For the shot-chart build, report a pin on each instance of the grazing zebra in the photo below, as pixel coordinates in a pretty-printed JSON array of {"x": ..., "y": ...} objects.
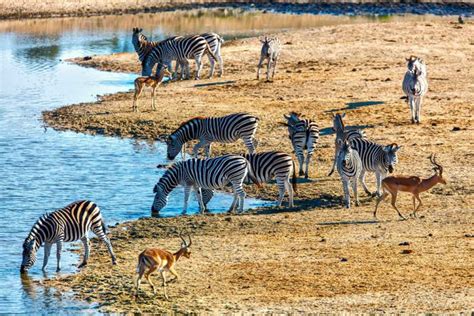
[
  {"x": 213, "y": 173},
  {"x": 265, "y": 167},
  {"x": 225, "y": 129},
  {"x": 375, "y": 158},
  {"x": 270, "y": 52},
  {"x": 70, "y": 223},
  {"x": 349, "y": 167},
  {"x": 177, "y": 48},
  {"x": 415, "y": 86},
  {"x": 304, "y": 135},
  {"x": 341, "y": 134}
]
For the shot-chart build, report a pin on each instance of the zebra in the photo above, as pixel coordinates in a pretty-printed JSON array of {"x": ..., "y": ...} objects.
[
  {"x": 143, "y": 46},
  {"x": 341, "y": 134},
  {"x": 212, "y": 173},
  {"x": 415, "y": 86},
  {"x": 225, "y": 129},
  {"x": 215, "y": 43},
  {"x": 177, "y": 48},
  {"x": 271, "y": 49},
  {"x": 266, "y": 166},
  {"x": 70, "y": 223},
  {"x": 375, "y": 158},
  {"x": 304, "y": 135},
  {"x": 349, "y": 167}
]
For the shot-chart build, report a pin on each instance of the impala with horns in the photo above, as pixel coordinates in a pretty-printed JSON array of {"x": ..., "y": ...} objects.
[
  {"x": 414, "y": 185},
  {"x": 153, "y": 259}
]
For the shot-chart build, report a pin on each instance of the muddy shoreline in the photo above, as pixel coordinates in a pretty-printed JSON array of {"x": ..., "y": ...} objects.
[
  {"x": 317, "y": 257},
  {"x": 27, "y": 10}
]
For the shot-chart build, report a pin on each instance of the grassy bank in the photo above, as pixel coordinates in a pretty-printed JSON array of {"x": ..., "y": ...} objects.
[{"x": 317, "y": 257}]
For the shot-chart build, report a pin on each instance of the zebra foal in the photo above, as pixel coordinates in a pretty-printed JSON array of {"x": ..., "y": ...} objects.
[
  {"x": 415, "y": 86},
  {"x": 209, "y": 174},
  {"x": 70, "y": 223},
  {"x": 304, "y": 135},
  {"x": 349, "y": 167},
  {"x": 225, "y": 129},
  {"x": 270, "y": 51}
]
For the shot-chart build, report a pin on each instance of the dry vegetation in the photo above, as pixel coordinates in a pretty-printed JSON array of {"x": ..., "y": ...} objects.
[{"x": 319, "y": 256}]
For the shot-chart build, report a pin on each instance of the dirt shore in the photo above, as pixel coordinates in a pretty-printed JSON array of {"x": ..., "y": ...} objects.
[{"x": 317, "y": 257}]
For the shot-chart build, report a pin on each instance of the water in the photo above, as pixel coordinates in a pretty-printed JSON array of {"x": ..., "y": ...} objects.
[{"x": 43, "y": 169}]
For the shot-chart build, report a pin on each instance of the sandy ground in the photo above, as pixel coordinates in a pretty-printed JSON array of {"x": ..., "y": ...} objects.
[{"x": 319, "y": 256}]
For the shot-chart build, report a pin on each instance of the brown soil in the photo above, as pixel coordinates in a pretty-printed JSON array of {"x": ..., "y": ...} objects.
[{"x": 317, "y": 257}]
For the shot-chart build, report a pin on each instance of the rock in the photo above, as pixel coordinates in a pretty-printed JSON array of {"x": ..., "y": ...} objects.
[
  {"x": 406, "y": 251},
  {"x": 405, "y": 243},
  {"x": 87, "y": 58},
  {"x": 455, "y": 129},
  {"x": 344, "y": 259}
]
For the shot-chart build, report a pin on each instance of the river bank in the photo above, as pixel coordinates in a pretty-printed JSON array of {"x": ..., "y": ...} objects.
[
  {"x": 69, "y": 8},
  {"x": 317, "y": 257}
]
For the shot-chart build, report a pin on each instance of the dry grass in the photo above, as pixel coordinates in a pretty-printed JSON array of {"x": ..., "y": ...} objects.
[{"x": 290, "y": 260}]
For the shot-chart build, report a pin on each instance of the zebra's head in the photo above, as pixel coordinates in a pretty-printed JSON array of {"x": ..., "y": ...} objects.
[
  {"x": 391, "y": 158},
  {"x": 266, "y": 45},
  {"x": 161, "y": 198},
  {"x": 30, "y": 248},
  {"x": 345, "y": 151},
  {"x": 137, "y": 37},
  {"x": 337, "y": 122},
  {"x": 415, "y": 64},
  {"x": 173, "y": 147}
]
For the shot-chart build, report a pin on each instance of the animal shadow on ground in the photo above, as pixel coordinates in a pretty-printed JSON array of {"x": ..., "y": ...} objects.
[
  {"x": 220, "y": 83},
  {"x": 355, "y": 105},
  {"x": 329, "y": 131}
]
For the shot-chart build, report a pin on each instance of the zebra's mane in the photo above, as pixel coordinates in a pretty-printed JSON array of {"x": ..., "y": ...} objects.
[{"x": 192, "y": 119}]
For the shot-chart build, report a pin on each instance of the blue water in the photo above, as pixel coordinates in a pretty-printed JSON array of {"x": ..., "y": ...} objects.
[{"x": 42, "y": 169}]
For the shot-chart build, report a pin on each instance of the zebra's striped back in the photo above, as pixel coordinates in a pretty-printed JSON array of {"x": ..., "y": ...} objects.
[
  {"x": 70, "y": 223},
  {"x": 214, "y": 40},
  {"x": 304, "y": 134},
  {"x": 225, "y": 129},
  {"x": 349, "y": 164},
  {"x": 213, "y": 173}
]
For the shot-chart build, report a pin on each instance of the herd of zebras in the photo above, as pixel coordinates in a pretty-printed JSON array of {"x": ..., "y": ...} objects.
[{"x": 355, "y": 155}]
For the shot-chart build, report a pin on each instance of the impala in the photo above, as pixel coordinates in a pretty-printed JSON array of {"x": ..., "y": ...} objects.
[
  {"x": 414, "y": 185},
  {"x": 151, "y": 81},
  {"x": 153, "y": 259}
]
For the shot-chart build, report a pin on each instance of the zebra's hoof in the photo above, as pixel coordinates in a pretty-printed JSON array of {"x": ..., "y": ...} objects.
[{"x": 58, "y": 269}]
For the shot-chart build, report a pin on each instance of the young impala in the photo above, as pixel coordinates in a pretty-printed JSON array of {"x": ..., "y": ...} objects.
[
  {"x": 414, "y": 185},
  {"x": 151, "y": 81},
  {"x": 153, "y": 259}
]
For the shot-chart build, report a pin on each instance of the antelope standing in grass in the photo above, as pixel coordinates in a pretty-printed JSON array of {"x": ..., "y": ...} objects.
[
  {"x": 414, "y": 185},
  {"x": 151, "y": 81},
  {"x": 153, "y": 259}
]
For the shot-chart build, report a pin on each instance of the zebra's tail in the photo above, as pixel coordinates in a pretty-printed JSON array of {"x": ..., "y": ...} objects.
[
  {"x": 293, "y": 178},
  {"x": 104, "y": 228},
  {"x": 210, "y": 52},
  {"x": 252, "y": 176}
]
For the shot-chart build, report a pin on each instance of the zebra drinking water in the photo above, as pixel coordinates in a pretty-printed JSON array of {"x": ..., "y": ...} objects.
[
  {"x": 304, "y": 135},
  {"x": 213, "y": 173},
  {"x": 349, "y": 167},
  {"x": 266, "y": 166},
  {"x": 415, "y": 86},
  {"x": 70, "y": 223},
  {"x": 177, "y": 48},
  {"x": 271, "y": 49},
  {"x": 341, "y": 134},
  {"x": 375, "y": 158},
  {"x": 225, "y": 129}
]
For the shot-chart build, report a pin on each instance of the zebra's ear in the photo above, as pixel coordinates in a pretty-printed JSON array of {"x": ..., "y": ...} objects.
[
  {"x": 286, "y": 116},
  {"x": 343, "y": 115},
  {"x": 396, "y": 148}
]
